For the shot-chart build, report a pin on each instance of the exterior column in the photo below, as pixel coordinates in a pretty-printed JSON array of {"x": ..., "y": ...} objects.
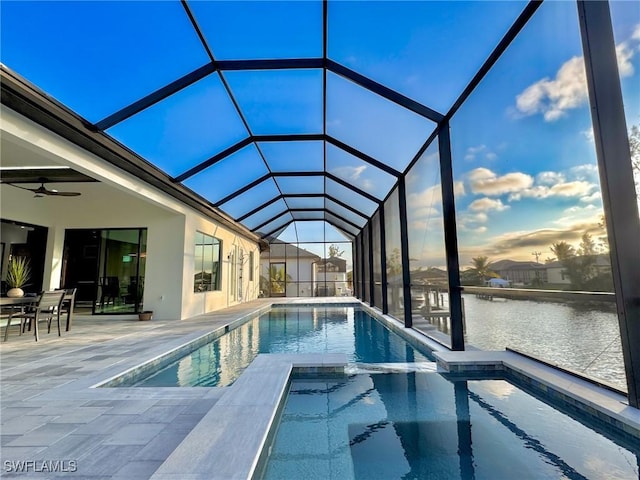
[
  {"x": 451, "y": 238},
  {"x": 404, "y": 242},
  {"x": 383, "y": 263},
  {"x": 52, "y": 275},
  {"x": 372, "y": 286},
  {"x": 616, "y": 179}
]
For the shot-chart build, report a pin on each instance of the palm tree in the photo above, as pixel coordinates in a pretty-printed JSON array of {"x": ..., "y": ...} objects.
[
  {"x": 334, "y": 251},
  {"x": 562, "y": 250},
  {"x": 278, "y": 279},
  {"x": 480, "y": 269}
]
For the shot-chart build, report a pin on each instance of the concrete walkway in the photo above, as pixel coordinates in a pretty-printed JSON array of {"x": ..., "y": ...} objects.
[{"x": 52, "y": 419}]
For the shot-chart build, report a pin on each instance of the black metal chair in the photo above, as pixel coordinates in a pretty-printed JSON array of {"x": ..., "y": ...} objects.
[
  {"x": 67, "y": 305},
  {"x": 110, "y": 287},
  {"x": 47, "y": 308}
]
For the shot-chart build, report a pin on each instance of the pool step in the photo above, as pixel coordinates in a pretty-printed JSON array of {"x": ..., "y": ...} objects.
[{"x": 355, "y": 368}]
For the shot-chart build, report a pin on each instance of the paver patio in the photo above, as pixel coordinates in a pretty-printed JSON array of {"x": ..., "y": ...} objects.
[{"x": 49, "y": 412}]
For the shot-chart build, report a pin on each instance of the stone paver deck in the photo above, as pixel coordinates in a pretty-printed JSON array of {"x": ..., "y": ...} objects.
[{"x": 49, "y": 413}]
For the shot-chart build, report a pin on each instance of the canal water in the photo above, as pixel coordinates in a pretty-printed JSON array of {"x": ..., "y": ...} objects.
[{"x": 582, "y": 337}]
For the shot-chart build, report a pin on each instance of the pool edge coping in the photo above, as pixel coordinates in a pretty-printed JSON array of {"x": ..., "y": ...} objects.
[
  {"x": 593, "y": 401},
  {"x": 234, "y": 447}
]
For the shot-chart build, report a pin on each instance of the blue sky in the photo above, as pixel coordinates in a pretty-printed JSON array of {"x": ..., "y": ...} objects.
[{"x": 524, "y": 160}]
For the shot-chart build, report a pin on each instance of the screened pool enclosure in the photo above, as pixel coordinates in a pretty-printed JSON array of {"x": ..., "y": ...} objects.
[{"x": 421, "y": 143}]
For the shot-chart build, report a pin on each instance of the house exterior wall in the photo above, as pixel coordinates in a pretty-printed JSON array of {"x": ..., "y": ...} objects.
[
  {"x": 120, "y": 200},
  {"x": 298, "y": 268},
  {"x": 554, "y": 275}
]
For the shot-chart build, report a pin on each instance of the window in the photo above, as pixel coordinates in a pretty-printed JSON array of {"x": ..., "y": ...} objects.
[{"x": 206, "y": 263}]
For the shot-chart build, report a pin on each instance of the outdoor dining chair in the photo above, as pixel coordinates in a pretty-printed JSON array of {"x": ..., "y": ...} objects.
[
  {"x": 67, "y": 305},
  {"x": 46, "y": 309}
]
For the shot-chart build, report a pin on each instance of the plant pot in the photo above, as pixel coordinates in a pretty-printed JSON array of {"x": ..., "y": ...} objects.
[
  {"x": 148, "y": 315},
  {"x": 15, "y": 293}
]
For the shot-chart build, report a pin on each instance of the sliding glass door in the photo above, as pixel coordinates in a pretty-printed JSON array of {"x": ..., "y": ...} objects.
[{"x": 107, "y": 267}]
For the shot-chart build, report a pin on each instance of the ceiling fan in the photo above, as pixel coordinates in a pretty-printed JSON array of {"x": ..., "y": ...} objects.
[{"x": 42, "y": 191}]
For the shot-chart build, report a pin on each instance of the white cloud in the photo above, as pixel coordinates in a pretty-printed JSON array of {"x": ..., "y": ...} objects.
[
  {"x": 486, "y": 182},
  {"x": 368, "y": 185},
  {"x": 553, "y": 97},
  {"x": 563, "y": 189},
  {"x": 426, "y": 203},
  {"x": 471, "y": 221},
  {"x": 587, "y": 171},
  {"x": 519, "y": 245},
  {"x": 588, "y": 134},
  {"x": 486, "y": 204},
  {"x": 429, "y": 200},
  {"x": 549, "y": 178},
  {"x": 579, "y": 215},
  {"x": 594, "y": 197},
  {"x": 352, "y": 173},
  {"x": 481, "y": 150},
  {"x": 472, "y": 152},
  {"x": 568, "y": 90}
]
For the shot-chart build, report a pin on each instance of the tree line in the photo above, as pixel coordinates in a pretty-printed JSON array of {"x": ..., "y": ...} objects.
[{"x": 580, "y": 266}]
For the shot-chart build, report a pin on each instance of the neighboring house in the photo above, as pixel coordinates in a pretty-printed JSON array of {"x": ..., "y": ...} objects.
[
  {"x": 520, "y": 273},
  {"x": 330, "y": 278},
  {"x": 286, "y": 270},
  {"x": 556, "y": 272},
  {"x": 430, "y": 276}
]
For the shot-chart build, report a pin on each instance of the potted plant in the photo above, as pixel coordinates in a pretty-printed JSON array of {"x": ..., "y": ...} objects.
[
  {"x": 146, "y": 315},
  {"x": 18, "y": 274}
]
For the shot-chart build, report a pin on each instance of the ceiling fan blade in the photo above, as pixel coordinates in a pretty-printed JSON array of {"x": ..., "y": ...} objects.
[
  {"x": 63, "y": 194},
  {"x": 35, "y": 190},
  {"x": 41, "y": 191}
]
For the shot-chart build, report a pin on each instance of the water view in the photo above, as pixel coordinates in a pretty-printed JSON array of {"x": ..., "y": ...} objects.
[{"x": 582, "y": 337}]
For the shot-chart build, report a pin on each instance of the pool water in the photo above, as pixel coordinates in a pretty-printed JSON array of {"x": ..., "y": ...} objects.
[
  {"x": 348, "y": 330},
  {"x": 423, "y": 426}
]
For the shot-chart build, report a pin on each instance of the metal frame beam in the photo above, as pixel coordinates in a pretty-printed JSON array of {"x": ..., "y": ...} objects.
[
  {"x": 504, "y": 43},
  {"x": 345, "y": 205},
  {"x": 270, "y": 64},
  {"x": 383, "y": 262},
  {"x": 292, "y": 137},
  {"x": 366, "y": 195},
  {"x": 616, "y": 179},
  {"x": 155, "y": 97},
  {"x": 257, "y": 209},
  {"x": 404, "y": 252},
  {"x": 240, "y": 191},
  {"x": 349, "y": 235},
  {"x": 341, "y": 219},
  {"x": 362, "y": 156},
  {"x": 281, "y": 227},
  {"x": 290, "y": 210},
  {"x": 213, "y": 160},
  {"x": 384, "y": 92},
  {"x": 304, "y": 195},
  {"x": 451, "y": 238},
  {"x": 362, "y": 280},
  {"x": 271, "y": 219},
  {"x": 372, "y": 293}
]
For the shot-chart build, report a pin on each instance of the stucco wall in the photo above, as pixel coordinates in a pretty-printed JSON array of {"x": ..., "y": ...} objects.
[{"x": 119, "y": 201}]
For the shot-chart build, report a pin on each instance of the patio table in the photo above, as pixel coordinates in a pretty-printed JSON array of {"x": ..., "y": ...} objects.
[
  {"x": 17, "y": 302},
  {"x": 22, "y": 302}
]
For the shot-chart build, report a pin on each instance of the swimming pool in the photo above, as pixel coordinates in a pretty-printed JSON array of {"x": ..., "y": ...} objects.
[
  {"x": 425, "y": 426},
  {"x": 310, "y": 329}
]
